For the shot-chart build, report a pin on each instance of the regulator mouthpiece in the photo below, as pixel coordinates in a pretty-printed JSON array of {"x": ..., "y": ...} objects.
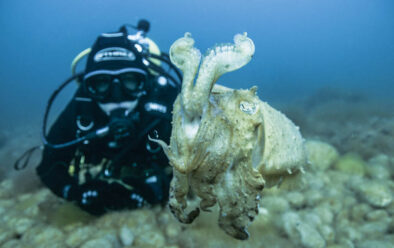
[{"x": 121, "y": 125}]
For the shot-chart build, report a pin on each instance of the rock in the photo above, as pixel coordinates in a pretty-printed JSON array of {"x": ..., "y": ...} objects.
[
  {"x": 349, "y": 201},
  {"x": 381, "y": 159},
  {"x": 96, "y": 243},
  {"x": 377, "y": 194},
  {"x": 28, "y": 203},
  {"x": 126, "y": 236},
  {"x": 379, "y": 167},
  {"x": 342, "y": 218},
  {"x": 320, "y": 155},
  {"x": 6, "y": 188},
  {"x": 337, "y": 246},
  {"x": 275, "y": 204},
  {"x": 13, "y": 243},
  {"x": 313, "y": 197},
  {"x": 108, "y": 234},
  {"x": 312, "y": 219},
  {"x": 315, "y": 180},
  {"x": 325, "y": 214},
  {"x": 390, "y": 208},
  {"x": 78, "y": 236},
  {"x": 351, "y": 163},
  {"x": 21, "y": 225},
  {"x": 378, "y": 171},
  {"x": 68, "y": 213},
  {"x": 173, "y": 230},
  {"x": 296, "y": 199},
  {"x": 359, "y": 211},
  {"x": 374, "y": 230},
  {"x": 374, "y": 244},
  {"x": 150, "y": 239},
  {"x": 345, "y": 243},
  {"x": 5, "y": 235},
  {"x": 310, "y": 237},
  {"x": 46, "y": 236},
  {"x": 337, "y": 178},
  {"x": 328, "y": 233},
  {"x": 334, "y": 204},
  {"x": 300, "y": 232},
  {"x": 347, "y": 232},
  {"x": 377, "y": 215}
]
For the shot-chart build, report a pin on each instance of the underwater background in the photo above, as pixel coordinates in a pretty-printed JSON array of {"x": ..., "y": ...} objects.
[{"x": 327, "y": 64}]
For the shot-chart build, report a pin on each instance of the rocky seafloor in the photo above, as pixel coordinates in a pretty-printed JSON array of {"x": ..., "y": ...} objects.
[{"x": 345, "y": 200}]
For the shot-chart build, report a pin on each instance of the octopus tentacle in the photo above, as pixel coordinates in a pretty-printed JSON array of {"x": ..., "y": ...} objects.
[
  {"x": 218, "y": 61},
  {"x": 187, "y": 58}
]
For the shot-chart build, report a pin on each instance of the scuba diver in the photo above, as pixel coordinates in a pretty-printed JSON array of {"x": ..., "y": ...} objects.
[{"x": 98, "y": 152}]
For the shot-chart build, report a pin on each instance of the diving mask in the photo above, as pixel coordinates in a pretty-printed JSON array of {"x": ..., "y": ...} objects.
[{"x": 100, "y": 84}]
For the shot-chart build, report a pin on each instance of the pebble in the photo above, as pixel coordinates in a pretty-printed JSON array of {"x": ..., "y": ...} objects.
[
  {"x": 325, "y": 214},
  {"x": 78, "y": 236},
  {"x": 313, "y": 197},
  {"x": 348, "y": 232},
  {"x": 13, "y": 243},
  {"x": 377, "y": 194},
  {"x": 345, "y": 243},
  {"x": 302, "y": 233},
  {"x": 5, "y": 235},
  {"x": 173, "y": 230},
  {"x": 328, "y": 233},
  {"x": 126, "y": 236},
  {"x": 378, "y": 171},
  {"x": 351, "y": 163},
  {"x": 359, "y": 211},
  {"x": 376, "y": 215},
  {"x": 381, "y": 159},
  {"x": 320, "y": 155},
  {"x": 374, "y": 244},
  {"x": 312, "y": 219},
  {"x": 46, "y": 235},
  {"x": 6, "y": 187},
  {"x": 296, "y": 199},
  {"x": 275, "y": 204},
  {"x": 373, "y": 230},
  {"x": 150, "y": 239},
  {"x": 96, "y": 243},
  {"x": 23, "y": 224}
]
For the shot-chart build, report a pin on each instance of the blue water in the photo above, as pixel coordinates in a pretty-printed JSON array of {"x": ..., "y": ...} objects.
[{"x": 301, "y": 45}]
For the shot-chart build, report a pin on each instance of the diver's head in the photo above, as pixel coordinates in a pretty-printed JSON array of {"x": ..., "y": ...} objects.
[
  {"x": 116, "y": 77},
  {"x": 116, "y": 89},
  {"x": 116, "y": 73}
]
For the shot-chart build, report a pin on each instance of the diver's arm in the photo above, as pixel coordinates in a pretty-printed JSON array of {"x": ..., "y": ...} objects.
[
  {"x": 53, "y": 172},
  {"x": 53, "y": 169}
]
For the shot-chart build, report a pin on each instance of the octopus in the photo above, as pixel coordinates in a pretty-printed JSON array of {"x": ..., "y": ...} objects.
[{"x": 226, "y": 144}]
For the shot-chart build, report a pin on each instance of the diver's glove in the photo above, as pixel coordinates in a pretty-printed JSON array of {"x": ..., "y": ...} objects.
[
  {"x": 152, "y": 184},
  {"x": 98, "y": 197},
  {"x": 90, "y": 196}
]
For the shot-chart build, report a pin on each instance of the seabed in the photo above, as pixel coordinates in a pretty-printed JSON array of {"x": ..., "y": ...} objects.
[{"x": 346, "y": 199}]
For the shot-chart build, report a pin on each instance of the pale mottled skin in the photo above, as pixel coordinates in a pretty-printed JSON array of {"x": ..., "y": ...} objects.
[{"x": 225, "y": 143}]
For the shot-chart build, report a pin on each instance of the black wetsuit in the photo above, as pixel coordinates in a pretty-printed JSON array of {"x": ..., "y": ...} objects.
[{"x": 100, "y": 178}]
